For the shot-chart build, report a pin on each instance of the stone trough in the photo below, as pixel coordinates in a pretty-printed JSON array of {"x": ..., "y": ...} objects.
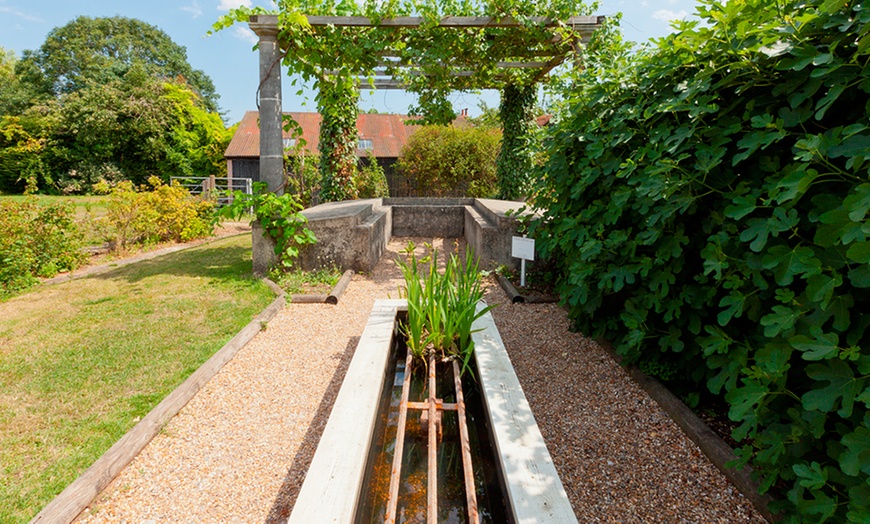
[
  {"x": 332, "y": 489},
  {"x": 354, "y": 234}
]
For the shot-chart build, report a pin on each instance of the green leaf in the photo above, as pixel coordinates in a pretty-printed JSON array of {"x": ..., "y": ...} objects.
[
  {"x": 856, "y": 458},
  {"x": 855, "y": 145},
  {"x": 820, "y": 288},
  {"x": 773, "y": 358},
  {"x": 788, "y": 263},
  {"x": 832, "y": 6},
  {"x": 744, "y": 399},
  {"x": 734, "y": 304},
  {"x": 823, "y": 346},
  {"x": 780, "y": 320},
  {"x": 858, "y": 203},
  {"x": 842, "y": 387},
  {"x": 759, "y": 229},
  {"x": 860, "y": 276},
  {"x": 740, "y": 207},
  {"x": 859, "y": 252},
  {"x": 812, "y": 476}
]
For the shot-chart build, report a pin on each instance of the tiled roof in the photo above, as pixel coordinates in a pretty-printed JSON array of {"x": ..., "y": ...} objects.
[{"x": 388, "y": 133}]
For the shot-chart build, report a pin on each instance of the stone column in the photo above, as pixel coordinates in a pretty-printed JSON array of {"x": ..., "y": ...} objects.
[{"x": 271, "y": 143}]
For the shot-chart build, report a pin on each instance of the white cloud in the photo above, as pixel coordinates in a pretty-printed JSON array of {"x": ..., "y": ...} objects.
[
  {"x": 226, "y": 5},
  {"x": 21, "y": 14},
  {"x": 243, "y": 33},
  {"x": 194, "y": 9},
  {"x": 667, "y": 15}
]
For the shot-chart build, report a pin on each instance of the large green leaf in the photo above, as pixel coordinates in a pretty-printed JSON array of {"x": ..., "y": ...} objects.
[
  {"x": 781, "y": 320},
  {"x": 787, "y": 263},
  {"x": 842, "y": 387},
  {"x": 856, "y": 458}
]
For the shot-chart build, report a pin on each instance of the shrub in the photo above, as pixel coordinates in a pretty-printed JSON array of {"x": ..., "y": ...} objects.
[
  {"x": 303, "y": 176},
  {"x": 280, "y": 217},
  {"x": 166, "y": 213},
  {"x": 371, "y": 181},
  {"x": 709, "y": 202},
  {"x": 448, "y": 161},
  {"x": 37, "y": 241}
]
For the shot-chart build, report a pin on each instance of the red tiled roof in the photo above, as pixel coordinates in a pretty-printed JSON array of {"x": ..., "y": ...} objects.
[{"x": 388, "y": 133}]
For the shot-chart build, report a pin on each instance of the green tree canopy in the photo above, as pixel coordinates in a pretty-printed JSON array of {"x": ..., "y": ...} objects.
[
  {"x": 14, "y": 96},
  {"x": 99, "y": 50}
]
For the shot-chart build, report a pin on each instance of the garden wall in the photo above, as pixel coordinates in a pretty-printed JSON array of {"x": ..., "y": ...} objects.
[{"x": 354, "y": 234}]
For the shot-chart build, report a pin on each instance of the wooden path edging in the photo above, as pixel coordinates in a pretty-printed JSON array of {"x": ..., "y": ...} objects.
[{"x": 81, "y": 492}]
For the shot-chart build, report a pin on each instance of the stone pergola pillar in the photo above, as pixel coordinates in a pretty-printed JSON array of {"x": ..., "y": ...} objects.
[
  {"x": 271, "y": 143},
  {"x": 271, "y": 138}
]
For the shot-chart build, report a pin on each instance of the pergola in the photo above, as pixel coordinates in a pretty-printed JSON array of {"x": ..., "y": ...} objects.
[
  {"x": 500, "y": 60},
  {"x": 506, "y": 51}
]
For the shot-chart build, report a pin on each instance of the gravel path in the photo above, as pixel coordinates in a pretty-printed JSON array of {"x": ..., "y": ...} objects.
[{"x": 239, "y": 451}]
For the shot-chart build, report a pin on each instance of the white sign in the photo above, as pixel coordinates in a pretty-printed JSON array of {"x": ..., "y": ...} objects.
[{"x": 523, "y": 248}]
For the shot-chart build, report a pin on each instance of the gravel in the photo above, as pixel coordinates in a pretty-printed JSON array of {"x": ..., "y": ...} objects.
[{"x": 239, "y": 451}]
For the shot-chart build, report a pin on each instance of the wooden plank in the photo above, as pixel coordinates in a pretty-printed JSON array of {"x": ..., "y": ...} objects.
[
  {"x": 470, "y": 491},
  {"x": 340, "y": 287},
  {"x": 449, "y": 21},
  {"x": 77, "y": 496},
  {"x": 399, "y": 449},
  {"x": 534, "y": 490},
  {"x": 432, "y": 485}
]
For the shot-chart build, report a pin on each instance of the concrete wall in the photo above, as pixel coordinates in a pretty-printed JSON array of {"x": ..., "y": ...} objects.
[{"x": 354, "y": 234}]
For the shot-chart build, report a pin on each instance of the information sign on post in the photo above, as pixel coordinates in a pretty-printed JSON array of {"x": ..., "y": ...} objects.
[{"x": 524, "y": 249}]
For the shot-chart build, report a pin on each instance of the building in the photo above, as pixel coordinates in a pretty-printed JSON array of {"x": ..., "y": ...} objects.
[{"x": 383, "y": 135}]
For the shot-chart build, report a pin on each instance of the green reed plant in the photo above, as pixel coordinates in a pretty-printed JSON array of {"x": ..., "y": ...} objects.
[{"x": 442, "y": 306}]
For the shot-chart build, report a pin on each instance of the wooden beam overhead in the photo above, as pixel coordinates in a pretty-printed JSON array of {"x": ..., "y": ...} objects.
[{"x": 577, "y": 22}]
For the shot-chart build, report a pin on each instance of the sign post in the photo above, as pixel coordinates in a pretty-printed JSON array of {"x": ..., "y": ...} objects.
[{"x": 524, "y": 249}]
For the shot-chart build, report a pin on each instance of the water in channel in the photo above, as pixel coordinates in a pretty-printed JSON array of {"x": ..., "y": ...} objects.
[{"x": 412, "y": 488}]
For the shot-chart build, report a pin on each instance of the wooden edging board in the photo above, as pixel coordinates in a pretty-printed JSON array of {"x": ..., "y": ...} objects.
[{"x": 81, "y": 492}]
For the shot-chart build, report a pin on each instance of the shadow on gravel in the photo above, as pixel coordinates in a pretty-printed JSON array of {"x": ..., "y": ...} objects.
[{"x": 286, "y": 498}]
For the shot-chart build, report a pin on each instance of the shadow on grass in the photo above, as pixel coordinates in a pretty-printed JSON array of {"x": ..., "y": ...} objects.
[
  {"x": 286, "y": 498},
  {"x": 223, "y": 260}
]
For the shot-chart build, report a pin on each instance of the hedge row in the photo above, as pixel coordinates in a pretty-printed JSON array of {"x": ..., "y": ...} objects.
[{"x": 708, "y": 199}]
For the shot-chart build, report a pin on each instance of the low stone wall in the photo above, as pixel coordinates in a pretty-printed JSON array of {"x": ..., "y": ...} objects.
[{"x": 354, "y": 234}]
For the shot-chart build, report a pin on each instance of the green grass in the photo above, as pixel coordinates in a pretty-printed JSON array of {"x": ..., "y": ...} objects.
[
  {"x": 319, "y": 282},
  {"x": 82, "y": 362}
]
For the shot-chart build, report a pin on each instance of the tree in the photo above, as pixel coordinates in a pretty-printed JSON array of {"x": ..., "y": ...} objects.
[
  {"x": 90, "y": 51},
  {"x": 14, "y": 96}
]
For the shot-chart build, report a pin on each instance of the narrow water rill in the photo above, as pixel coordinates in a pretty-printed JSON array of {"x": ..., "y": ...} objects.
[
  {"x": 349, "y": 479},
  {"x": 406, "y": 448}
]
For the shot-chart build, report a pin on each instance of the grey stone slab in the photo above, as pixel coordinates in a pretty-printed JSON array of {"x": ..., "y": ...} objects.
[
  {"x": 535, "y": 491},
  {"x": 332, "y": 486}
]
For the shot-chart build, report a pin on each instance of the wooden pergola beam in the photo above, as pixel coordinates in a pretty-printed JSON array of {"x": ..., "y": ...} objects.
[{"x": 579, "y": 23}]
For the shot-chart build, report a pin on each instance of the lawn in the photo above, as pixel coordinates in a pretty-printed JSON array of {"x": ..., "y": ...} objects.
[{"x": 82, "y": 362}]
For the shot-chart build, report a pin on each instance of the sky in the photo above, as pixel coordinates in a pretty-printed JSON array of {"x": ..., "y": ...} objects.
[{"x": 228, "y": 56}]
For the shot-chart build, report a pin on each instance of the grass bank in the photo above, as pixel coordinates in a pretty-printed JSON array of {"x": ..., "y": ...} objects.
[{"x": 82, "y": 362}]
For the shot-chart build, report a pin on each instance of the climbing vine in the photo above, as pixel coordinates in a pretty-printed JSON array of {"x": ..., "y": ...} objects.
[
  {"x": 514, "y": 161},
  {"x": 337, "y": 104},
  {"x": 430, "y": 60}
]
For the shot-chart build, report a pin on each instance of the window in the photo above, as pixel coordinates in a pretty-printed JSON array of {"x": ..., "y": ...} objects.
[
  {"x": 289, "y": 142},
  {"x": 364, "y": 144}
]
